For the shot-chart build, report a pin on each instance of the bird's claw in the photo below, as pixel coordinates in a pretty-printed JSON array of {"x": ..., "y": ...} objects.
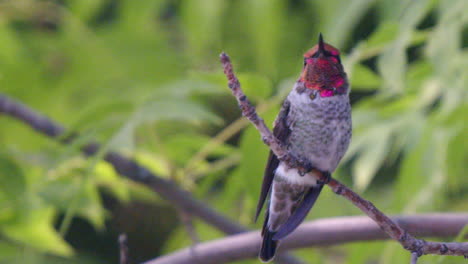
[
  {"x": 327, "y": 178},
  {"x": 305, "y": 167}
]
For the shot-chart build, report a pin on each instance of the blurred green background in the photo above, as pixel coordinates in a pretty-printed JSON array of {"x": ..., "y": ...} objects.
[{"x": 144, "y": 78}]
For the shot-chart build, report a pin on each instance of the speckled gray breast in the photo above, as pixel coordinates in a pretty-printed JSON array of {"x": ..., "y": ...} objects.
[{"x": 320, "y": 128}]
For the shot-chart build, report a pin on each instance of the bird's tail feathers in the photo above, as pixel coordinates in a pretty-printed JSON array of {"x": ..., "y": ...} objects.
[{"x": 268, "y": 250}]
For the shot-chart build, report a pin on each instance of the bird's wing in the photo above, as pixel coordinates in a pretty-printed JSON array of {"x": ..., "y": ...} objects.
[
  {"x": 300, "y": 213},
  {"x": 281, "y": 131}
]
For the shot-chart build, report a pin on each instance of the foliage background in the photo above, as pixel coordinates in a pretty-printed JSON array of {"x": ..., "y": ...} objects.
[{"x": 144, "y": 78}]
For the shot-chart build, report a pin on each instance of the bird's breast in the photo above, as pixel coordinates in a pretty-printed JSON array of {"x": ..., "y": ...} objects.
[{"x": 320, "y": 129}]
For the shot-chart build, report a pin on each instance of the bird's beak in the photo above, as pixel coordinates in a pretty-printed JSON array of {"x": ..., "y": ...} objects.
[{"x": 321, "y": 45}]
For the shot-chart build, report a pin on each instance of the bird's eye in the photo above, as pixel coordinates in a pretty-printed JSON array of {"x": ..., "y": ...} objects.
[
  {"x": 338, "y": 58},
  {"x": 305, "y": 62},
  {"x": 335, "y": 58}
]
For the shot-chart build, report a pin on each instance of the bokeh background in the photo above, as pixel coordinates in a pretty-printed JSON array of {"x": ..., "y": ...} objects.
[{"x": 144, "y": 78}]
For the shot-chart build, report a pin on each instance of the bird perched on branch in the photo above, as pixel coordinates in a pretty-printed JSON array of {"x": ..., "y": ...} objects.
[{"x": 314, "y": 124}]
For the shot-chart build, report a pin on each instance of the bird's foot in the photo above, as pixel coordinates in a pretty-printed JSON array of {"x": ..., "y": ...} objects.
[
  {"x": 326, "y": 178},
  {"x": 304, "y": 167}
]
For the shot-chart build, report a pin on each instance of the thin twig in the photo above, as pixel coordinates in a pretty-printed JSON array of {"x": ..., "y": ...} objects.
[
  {"x": 317, "y": 233},
  {"x": 186, "y": 220},
  {"x": 385, "y": 223},
  {"x": 414, "y": 257},
  {"x": 123, "y": 246},
  {"x": 130, "y": 169}
]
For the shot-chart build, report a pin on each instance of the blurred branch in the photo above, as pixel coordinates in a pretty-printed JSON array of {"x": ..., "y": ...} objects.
[
  {"x": 186, "y": 220},
  {"x": 130, "y": 169},
  {"x": 385, "y": 223},
  {"x": 414, "y": 258},
  {"x": 322, "y": 232},
  {"x": 123, "y": 247}
]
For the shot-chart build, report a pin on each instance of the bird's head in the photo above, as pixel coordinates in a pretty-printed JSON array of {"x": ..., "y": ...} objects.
[{"x": 323, "y": 70}]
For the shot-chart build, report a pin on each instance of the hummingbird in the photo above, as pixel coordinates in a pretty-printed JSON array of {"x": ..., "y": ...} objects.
[{"x": 314, "y": 125}]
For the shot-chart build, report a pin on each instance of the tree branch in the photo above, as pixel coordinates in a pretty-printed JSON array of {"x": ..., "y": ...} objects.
[
  {"x": 123, "y": 248},
  {"x": 322, "y": 232},
  {"x": 414, "y": 258},
  {"x": 132, "y": 170},
  {"x": 385, "y": 223}
]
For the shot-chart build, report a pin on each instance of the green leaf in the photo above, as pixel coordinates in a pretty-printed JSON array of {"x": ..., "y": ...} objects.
[
  {"x": 65, "y": 193},
  {"x": 154, "y": 162},
  {"x": 200, "y": 83},
  {"x": 181, "y": 147},
  {"x": 12, "y": 179},
  {"x": 181, "y": 238},
  {"x": 36, "y": 230},
  {"x": 457, "y": 153},
  {"x": 363, "y": 78},
  {"x": 141, "y": 192},
  {"x": 254, "y": 154},
  {"x": 255, "y": 86},
  {"x": 10, "y": 48},
  {"x": 9, "y": 251},
  {"x": 201, "y": 22},
  {"x": 371, "y": 156},
  {"x": 106, "y": 176},
  {"x": 398, "y": 106},
  {"x": 253, "y": 159},
  {"x": 86, "y": 9},
  {"x": 161, "y": 110},
  {"x": 363, "y": 252},
  {"x": 392, "y": 65},
  {"x": 70, "y": 189},
  {"x": 236, "y": 187},
  {"x": 423, "y": 173},
  {"x": 139, "y": 18},
  {"x": 263, "y": 21},
  {"x": 385, "y": 33},
  {"x": 340, "y": 25},
  {"x": 98, "y": 112},
  {"x": 174, "y": 110},
  {"x": 417, "y": 74}
]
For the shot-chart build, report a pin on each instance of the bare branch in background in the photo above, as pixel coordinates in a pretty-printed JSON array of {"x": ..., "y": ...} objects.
[
  {"x": 132, "y": 170},
  {"x": 408, "y": 242},
  {"x": 318, "y": 233},
  {"x": 123, "y": 246},
  {"x": 414, "y": 258},
  {"x": 186, "y": 220}
]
